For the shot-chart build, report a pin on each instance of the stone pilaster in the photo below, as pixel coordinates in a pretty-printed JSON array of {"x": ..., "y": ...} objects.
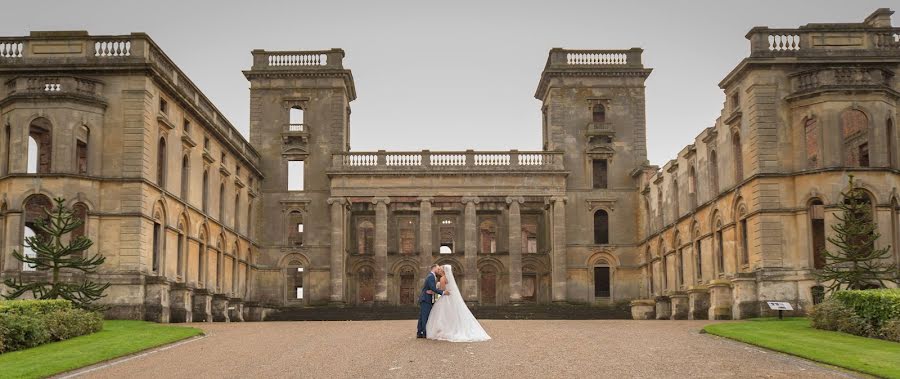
[
  {"x": 698, "y": 303},
  {"x": 471, "y": 249},
  {"x": 515, "y": 249},
  {"x": 381, "y": 224},
  {"x": 745, "y": 301},
  {"x": 220, "y": 308},
  {"x": 720, "y": 300},
  {"x": 156, "y": 299},
  {"x": 337, "y": 249},
  {"x": 202, "y": 305},
  {"x": 425, "y": 238},
  {"x": 679, "y": 302},
  {"x": 235, "y": 309},
  {"x": 558, "y": 257},
  {"x": 663, "y": 308},
  {"x": 180, "y": 303}
]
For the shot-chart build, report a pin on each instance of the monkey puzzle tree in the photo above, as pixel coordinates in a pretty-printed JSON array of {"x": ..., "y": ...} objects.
[
  {"x": 856, "y": 264},
  {"x": 52, "y": 255}
]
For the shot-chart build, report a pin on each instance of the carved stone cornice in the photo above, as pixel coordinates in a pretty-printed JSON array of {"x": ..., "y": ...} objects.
[
  {"x": 163, "y": 119},
  {"x": 710, "y": 137},
  {"x": 594, "y": 204}
]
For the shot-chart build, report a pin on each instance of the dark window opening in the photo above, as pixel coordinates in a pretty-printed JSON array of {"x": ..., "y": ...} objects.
[
  {"x": 601, "y": 227},
  {"x": 601, "y": 282},
  {"x": 600, "y": 173}
]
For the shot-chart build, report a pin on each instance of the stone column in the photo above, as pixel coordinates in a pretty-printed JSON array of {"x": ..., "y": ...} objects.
[
  {"x": 180, "y": 306},
  {"x": 337, "y": 249},
  {"x": 698, "y": 303},
  {"x": 720, "y": 300},
  {"x": 558, "y": 257},
  {"x": 381, "y": 220},
  {"x": 663, "y": 308},
  {"x": 679, "y": 301},
  {"x": 515, "y": 249},
  {"x": 471, "y": 248},
  {"x": 745, "y": 301},
  {"x": 425, "y": 237},
  {"x": 220, "y": 308}
]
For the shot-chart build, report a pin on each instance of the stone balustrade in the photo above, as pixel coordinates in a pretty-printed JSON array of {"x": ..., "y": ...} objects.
[
  {"x": 80, "y": 48},
  {"x": 826, "y": 78},
  {"x": 298, "y": 60},
  {"x": 449, "y": 161},
  {"x": 54, "y": 85},
  {"x": 588, "y": 58},
  {"x": 816, "y": 39}
]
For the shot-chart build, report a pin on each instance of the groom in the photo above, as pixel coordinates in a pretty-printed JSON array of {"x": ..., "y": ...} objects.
[{"x": 425, "y": 300}]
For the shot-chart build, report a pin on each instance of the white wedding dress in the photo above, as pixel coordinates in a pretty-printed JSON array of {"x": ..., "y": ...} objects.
[{"x": 450, "y": 318}]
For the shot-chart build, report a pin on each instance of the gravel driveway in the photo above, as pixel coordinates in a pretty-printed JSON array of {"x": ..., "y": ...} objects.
[{"x": 519, "y": 349}]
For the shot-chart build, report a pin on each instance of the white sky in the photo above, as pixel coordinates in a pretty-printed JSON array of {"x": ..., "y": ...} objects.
[{"x": 451, "y": 75}]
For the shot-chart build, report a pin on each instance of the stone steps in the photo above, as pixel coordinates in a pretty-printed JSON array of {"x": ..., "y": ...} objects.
[{"x": 521, "y": 312}]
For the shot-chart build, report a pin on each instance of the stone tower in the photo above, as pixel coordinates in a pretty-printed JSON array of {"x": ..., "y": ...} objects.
[
  {"x": 593, "y": 111},
  {"x": 299, "y": 117}
]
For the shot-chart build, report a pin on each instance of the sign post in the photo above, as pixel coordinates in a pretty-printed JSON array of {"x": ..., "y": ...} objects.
[{"x": 780, "y": 306}]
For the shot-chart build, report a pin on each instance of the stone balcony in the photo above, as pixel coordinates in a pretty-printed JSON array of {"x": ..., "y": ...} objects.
[
  {"x": 57, "y": 87},
  {"x": 448, "y": 161},
  {"x": 77, "y": 51}
]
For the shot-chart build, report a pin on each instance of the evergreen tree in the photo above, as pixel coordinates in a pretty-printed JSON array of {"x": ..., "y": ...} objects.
[
  {"x": 856, "y": 264},
  {"x": 53, "y": 256}
]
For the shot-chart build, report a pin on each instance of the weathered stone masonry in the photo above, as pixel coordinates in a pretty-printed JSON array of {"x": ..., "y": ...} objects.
[{"x": 198, "y": 224}]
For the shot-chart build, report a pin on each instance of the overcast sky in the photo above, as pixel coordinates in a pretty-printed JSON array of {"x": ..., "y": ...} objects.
[{"x": 451, "y": 75}]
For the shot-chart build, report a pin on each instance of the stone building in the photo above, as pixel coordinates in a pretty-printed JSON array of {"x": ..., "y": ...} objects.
[{"x": 199, "y": 224}]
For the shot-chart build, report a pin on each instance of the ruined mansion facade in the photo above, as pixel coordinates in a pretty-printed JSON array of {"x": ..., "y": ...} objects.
[{"x": 200, "y": 224}]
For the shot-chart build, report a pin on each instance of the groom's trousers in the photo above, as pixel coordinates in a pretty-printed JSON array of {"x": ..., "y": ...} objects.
[{"x": 424, "y": 311}]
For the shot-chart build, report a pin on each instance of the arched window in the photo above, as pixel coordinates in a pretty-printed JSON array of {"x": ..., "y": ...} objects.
[
  {"x": 237, "y": 212},
  {"x": 296, "y": 119},
  {"x": 220, "y": 263},
  {"x": 889, "y": 134},
  {"x": 648, "y": 259},
  {"x": 811, "y": 130},
  {"x": 295, "y": 278},
  {"x": 679, "y": 262},
  {"x": 222, "y": 203},
  {"x": 202, "y": 259},
  {"x": 742, "y": 229},
  {"x": 182, "y": 243},
  {"x": 365, "y": 237},
  {"x": 698, "y": 257},
  {"x": 601, "y": 227},
  {"x": 675, "y": 199},
  {"x": 161, "y": 163},
  {"x": 157, "y": 249},
  {"x": 713, "y": 174},
  {"x": 738, "y": 157},
  {"x": 692, "y": 187},
  {"x": 406, "y": 230},
  {"x": 81, "y": 150},
  {"x": 599, "y": 113},
  {"x": 295, "y": 228},
  {"x": 664, "y": 267},
  {"x": 235, "y": 273},
  {"x": 817, "y": 230},
  {"x": 27, "y": 251},
  {"x": 206, "y": 191},
  {"x": 35, "y": 206},
  {"x": 488, "y": 233},
  {"x": 39, "y": 146},
  {"x": 855, "y": 132},
  {"x": 720, "y": 249},
  {"x": 660, "y": 211},
  {"x": 447, "y": 235},
  {"x": 79, "y": 210},
  {"x": 185, "y": 176}
]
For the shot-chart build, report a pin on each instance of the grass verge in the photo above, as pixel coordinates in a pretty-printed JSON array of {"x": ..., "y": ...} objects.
[
  {"x": 795, "y": 336},
  {"x": 118, "y": 338}
]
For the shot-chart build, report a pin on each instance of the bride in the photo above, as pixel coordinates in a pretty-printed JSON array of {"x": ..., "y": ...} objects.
[{"x": 450, "y": 319}]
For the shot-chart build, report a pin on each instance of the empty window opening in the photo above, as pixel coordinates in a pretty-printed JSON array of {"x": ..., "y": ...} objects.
[
  {"x": 599, "y": 113},
  {"x": 600, "y": 173},
  {"x": 295, "y": 175},
  {"x": 601, "y": 227}
]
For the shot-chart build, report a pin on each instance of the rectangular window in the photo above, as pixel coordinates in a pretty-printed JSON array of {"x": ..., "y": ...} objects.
[
  {"x": 81, "y": 157},
  {"x": 745, "y": 252},
  {"x": 206, "y": 143},
  {"x": 601, "y": 282},
  {"x": 298, "y": 283},
  {"x": 163, "y": 106},
  {"x": 295, "y": 175},
  {"x": 699, "y": 260},
  {"x": 864, "y": 155},
  {"x": 600, "y": 173},
  {"x": 187, "y": 127}
]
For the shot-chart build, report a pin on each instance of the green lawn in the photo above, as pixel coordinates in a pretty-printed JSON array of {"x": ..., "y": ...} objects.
[
  {"x": 795, "y": 336},
  {"x": 118, "y": 338}
]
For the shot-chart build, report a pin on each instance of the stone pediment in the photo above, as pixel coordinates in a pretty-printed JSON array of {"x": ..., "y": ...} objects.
[{"x": 601, "y": 152}]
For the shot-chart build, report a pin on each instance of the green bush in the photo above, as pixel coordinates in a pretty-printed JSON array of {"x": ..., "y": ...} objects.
[
  {"x": 34, "y": 307},
  {"x": 29, "y": 323},
  {"x": 891, "y": 330},
  {"x": 875, "y": 306},
  {"x": 834, "y": 315}
]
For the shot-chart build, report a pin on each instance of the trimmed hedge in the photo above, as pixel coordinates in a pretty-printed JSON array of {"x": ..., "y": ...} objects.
[
  {"x": 29, "y": 323},
  {"x": 875, "y": 306},
  {"x": 868, "y": 313}
]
